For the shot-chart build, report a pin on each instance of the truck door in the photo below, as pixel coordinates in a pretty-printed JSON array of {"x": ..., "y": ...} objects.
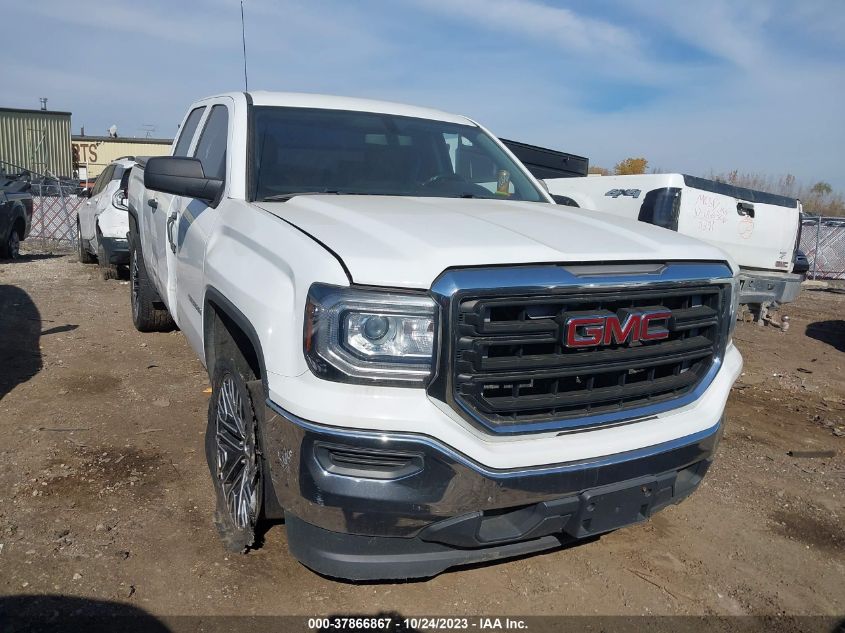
[
  {"x": 160, "y": 262},
  {"x": 191, "y": 222}
]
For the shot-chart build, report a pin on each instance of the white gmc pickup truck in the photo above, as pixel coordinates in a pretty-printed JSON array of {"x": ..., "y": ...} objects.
[{"x": 417, "y": 359}]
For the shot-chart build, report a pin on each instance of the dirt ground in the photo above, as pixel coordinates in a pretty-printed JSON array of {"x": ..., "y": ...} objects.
[{"x": 105, "y": 494}]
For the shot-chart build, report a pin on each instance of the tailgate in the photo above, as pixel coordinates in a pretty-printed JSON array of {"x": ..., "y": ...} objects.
[{"x": 759, "y": 230}]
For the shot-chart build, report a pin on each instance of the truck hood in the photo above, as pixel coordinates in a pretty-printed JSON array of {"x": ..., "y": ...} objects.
[{"x": 407, "y": 242}]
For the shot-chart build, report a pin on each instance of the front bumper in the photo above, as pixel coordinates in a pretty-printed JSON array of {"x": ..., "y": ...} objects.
[{"x": 378, "y": 505}]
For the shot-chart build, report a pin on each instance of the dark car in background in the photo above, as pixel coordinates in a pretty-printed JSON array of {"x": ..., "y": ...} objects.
[{"x": 15, "y": 216}]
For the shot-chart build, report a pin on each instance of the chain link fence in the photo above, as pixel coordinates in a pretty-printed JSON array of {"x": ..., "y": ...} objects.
[
  {"x": 55, "y": 202},
  {"x": 54, "y": 213},
  {"x": 823, "y": 242}
]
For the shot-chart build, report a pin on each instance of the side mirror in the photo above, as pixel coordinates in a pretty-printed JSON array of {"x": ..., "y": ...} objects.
[
  {"x": 544, "y": 185},
  {"x": 182, "y": 177},
  {"x": 85, "y": 193}
]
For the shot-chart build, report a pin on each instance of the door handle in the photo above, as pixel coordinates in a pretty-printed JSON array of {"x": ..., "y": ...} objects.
[
  {"x": 170, "y": 222},
  {"x": 153, "y": 203},
  {"x": 745, "y": 208}
]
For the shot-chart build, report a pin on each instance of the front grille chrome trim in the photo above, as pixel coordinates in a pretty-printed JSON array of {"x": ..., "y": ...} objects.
[{"x": 455, "y": 286}]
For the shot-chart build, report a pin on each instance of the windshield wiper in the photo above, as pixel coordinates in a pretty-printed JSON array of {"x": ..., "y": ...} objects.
[{"x": 284, "y": 197}]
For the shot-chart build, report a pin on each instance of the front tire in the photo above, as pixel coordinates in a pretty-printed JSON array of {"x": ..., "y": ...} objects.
[
  {"x": 234, "y": 458},
  {"x": 148, "y": 314}
]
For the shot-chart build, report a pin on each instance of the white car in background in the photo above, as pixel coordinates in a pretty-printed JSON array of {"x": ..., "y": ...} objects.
[{"x": 103, "y": 221}]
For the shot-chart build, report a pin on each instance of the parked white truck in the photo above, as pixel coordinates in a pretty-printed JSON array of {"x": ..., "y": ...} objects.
[
  {"x": 416, "y": 358},
  {"x": 760, "y": 231}
]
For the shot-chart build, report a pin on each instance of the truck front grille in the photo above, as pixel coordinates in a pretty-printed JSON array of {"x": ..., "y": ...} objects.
[{"x": 512, "y": 371}]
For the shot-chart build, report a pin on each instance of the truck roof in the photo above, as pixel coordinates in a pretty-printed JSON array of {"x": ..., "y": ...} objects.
[{"x": 334, "y": 102}]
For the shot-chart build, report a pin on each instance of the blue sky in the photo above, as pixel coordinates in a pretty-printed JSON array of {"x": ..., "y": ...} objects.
[{"x": 743, "y": 84}]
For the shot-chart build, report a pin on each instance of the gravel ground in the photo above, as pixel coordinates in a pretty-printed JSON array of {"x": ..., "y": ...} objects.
[{"x": 105, "y": 495}]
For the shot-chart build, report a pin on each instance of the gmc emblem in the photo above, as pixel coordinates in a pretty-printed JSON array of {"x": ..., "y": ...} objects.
[{"x": 626, "y": 326}]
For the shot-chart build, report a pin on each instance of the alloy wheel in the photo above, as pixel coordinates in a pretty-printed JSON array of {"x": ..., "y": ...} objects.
[{"x": 237, "y": 463}]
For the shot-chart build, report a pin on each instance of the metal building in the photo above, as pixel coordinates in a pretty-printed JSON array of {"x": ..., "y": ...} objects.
[{"x": 36, "y": 140}]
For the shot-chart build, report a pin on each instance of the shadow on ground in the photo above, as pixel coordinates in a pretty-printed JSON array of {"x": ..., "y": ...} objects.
[
  {"x": 830, "y": 332},
  {"x": 20, "y": 331},
  {"x": 67, "y": 614},
  {"x": 54, "y": 614},
  {"x": 31, "y": 257}
]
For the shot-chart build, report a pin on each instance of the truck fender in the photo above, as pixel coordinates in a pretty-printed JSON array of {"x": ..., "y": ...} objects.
[{"x": 215, "y": 303}]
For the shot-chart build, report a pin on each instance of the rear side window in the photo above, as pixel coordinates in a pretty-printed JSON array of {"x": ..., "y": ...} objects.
[
  {"x": 661, "y": 207},
  {"x": 187, "y": 132},
  {"x": 211, "y": 149}
]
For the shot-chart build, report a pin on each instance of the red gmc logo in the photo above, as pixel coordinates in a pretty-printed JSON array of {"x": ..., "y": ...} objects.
[{"x": 626, "y": 326}]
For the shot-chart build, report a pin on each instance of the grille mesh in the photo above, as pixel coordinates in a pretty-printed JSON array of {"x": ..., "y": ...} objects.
[{"x": 510, "y": 365}]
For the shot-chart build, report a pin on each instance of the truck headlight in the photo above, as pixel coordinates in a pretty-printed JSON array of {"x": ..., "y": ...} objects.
[
  {"x": 735, "y": 286},
  {"x": 369, "y": 336}
]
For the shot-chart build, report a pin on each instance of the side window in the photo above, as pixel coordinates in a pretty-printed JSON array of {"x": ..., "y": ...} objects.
[
  {"x": 98, "y": 184},
  {"x": 187, "y": 133},
  {"x": 117, "y": 173},
  {"x": 211, "y": 149},
  {"x": 102, "y": 180}
]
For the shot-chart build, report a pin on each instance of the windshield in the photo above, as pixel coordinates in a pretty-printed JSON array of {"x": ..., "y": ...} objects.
[{"x": 335, "y": 151}]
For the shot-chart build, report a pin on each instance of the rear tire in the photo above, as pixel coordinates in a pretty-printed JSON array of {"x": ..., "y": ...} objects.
[
  {"x": 107, "y": 269},
  {"x": 148, "y": 313},
  {"x": 84, "y": 256}
]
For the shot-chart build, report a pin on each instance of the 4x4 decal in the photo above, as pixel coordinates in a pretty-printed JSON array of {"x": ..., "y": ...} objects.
[{"x": 615, "y": 193}]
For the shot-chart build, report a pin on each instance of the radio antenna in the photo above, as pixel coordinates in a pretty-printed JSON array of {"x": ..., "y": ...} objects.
[{"x": 243, "y": 40}]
